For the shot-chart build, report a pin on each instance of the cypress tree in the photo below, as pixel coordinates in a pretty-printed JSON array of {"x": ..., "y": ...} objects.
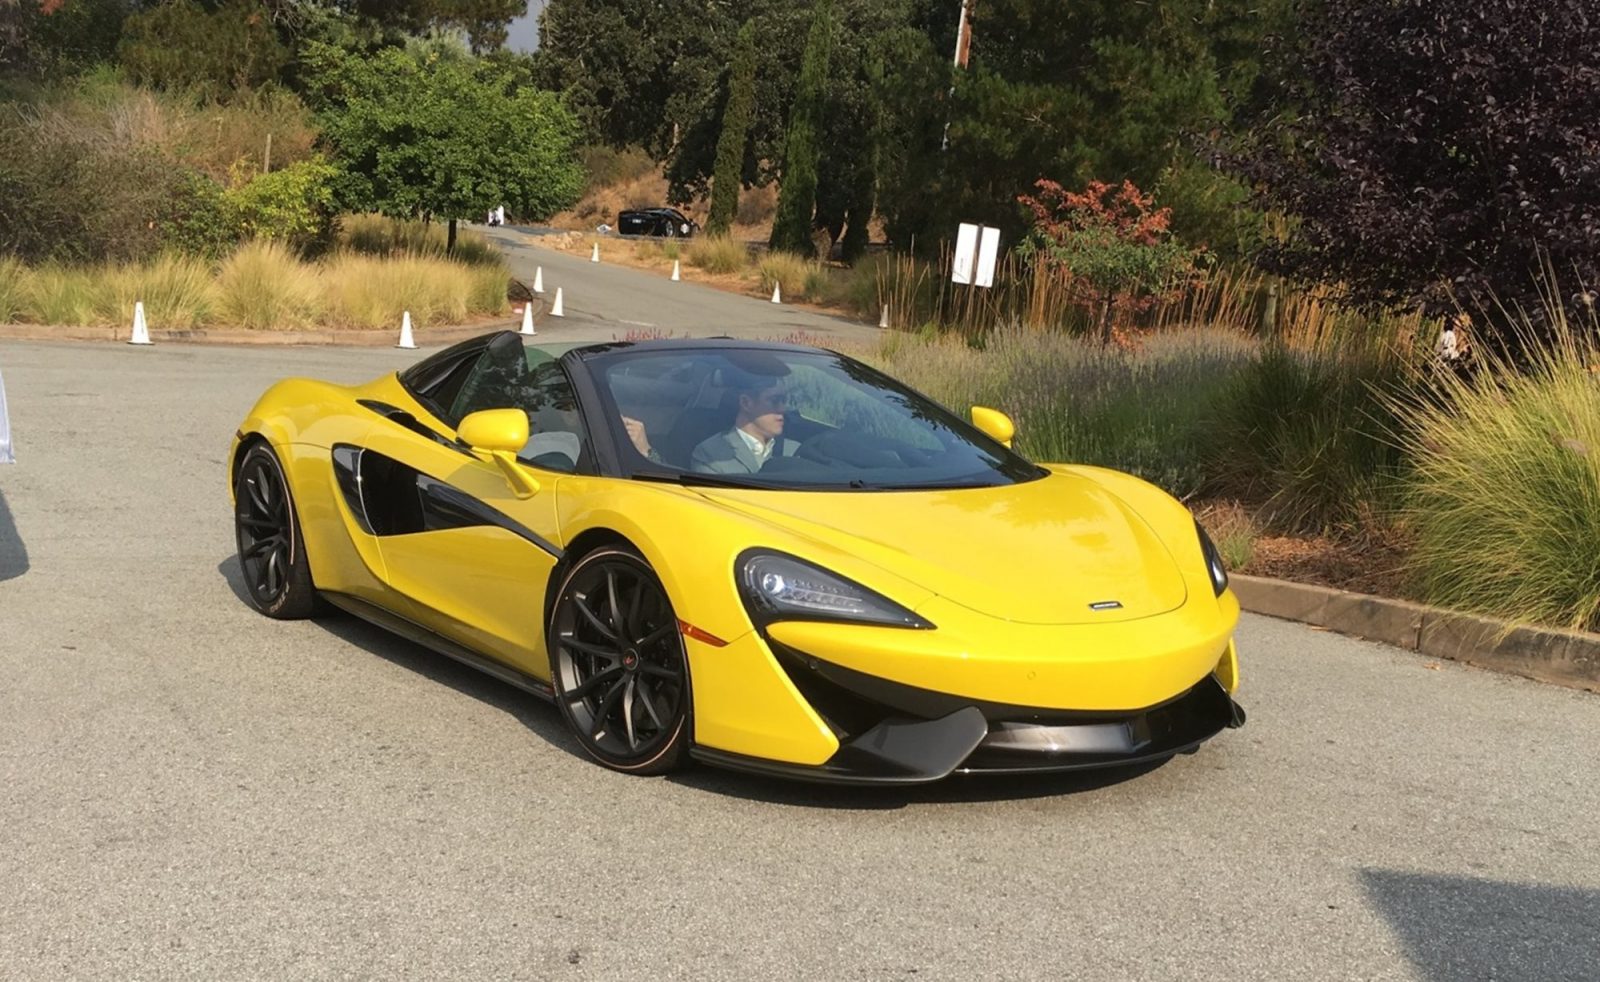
[
  {"x": 797, "y": 196},
  {"x": 729, "y": 173},
  {"x": 864, "y": 187}
]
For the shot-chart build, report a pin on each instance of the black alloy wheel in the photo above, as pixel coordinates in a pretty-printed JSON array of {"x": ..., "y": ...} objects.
[
  {"x": 620, "y": 673},
  {"x": 277, "y": 577}
]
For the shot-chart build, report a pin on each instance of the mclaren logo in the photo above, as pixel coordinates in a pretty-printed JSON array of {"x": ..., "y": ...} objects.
[{"x": 1106, "y": 605}]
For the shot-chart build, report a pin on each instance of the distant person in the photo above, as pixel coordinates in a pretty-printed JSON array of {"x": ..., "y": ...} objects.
[
  {"x": 6, "y": 456},
  {"x": 500, "y": 215},
  {"x": 756, "y": 436}
]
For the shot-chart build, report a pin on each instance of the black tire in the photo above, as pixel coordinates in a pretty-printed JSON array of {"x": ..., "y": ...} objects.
[
  {"x": 272, "y": 555},
  {"x": 617, "y": 663}
]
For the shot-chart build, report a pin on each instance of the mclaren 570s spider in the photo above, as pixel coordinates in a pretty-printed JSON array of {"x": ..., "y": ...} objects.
[{"x": 757, "y": 555}]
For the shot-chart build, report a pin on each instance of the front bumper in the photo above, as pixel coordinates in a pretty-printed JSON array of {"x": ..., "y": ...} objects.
[{"x": 890, "y": 733}]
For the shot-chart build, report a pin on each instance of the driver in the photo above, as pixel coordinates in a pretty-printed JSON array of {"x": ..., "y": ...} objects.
[{"x": 756, "y": 436}]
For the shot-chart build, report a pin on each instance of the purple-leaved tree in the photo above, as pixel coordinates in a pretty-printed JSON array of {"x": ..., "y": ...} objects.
[{"x": 1434, "y": 151}]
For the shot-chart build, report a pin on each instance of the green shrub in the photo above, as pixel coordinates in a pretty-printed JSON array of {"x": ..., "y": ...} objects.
[
  {"x": 1504, "y": 493},
  {"x": 1306, "y": 433},
  {"x": 197, "y": 219},
  {"x": 293, "y": 205},
  {"x": 718, "y": 254},
  {"x": 1142, "y": 410}
]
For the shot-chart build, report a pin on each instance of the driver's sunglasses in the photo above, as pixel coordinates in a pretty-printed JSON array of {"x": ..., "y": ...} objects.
[{"x": 776, "y": 397}]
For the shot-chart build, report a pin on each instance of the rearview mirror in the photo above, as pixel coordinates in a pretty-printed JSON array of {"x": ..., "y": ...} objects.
[
  {"x": 995, "y": 425},
  {"x": 500, "y": 434}
]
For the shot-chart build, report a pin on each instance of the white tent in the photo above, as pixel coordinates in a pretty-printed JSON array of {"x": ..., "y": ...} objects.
[{"x": 6, "y": 457}]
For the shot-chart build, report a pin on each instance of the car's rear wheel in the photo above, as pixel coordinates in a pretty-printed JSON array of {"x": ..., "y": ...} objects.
[
  {"x": 272, "y": 555},
  {"x": 617, "y": 663}
]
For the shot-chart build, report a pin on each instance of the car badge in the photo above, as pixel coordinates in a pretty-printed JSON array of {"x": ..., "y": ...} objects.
[{"x": 1106, "y": 605}]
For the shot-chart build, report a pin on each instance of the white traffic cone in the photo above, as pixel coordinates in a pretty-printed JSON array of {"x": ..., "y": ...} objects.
[
  {"x": 538, "y": 280},
  {"x": 594, "y": 255},
  {"x": 527, "y": 318},
  {"x": 776, "y": 296},
  {"x": 141, "y": 331},
  {"x": 555, "y": 308},
  {"x": 406, "y": 340},
  {"x": 677, "y": 272},
  {"x": 883, "y": 318}
]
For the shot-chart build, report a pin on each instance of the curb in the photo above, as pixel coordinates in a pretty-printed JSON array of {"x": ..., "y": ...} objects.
[
  {"x": 1569, "y": 658},
  {"x": 350, "y": 338}
]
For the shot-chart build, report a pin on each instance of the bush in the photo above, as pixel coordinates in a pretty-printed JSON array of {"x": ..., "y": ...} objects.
[
  {"x": 718, "y": 254},
  {"x": 264, "y": 286},
  {"x": 1504, "y": 495},
  {"x": 177, "y": 292},
  {"x": 67, "y": 296},
  {"x": 1141, "y": 410},
  {"x": 294, "y": 205},
  {"x": 67, "y": 193},
  {"x": 1113, "y": 248},
  {"x": 787, "y": 270},
  {"x": 364, "y": 292},
  {"x": 377, "y": 235},
  {"x": 1307, "y": 433}
]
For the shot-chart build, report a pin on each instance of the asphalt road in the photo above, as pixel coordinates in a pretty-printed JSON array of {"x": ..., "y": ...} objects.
[
  {"x": 604, "y": 301},
  {"x": 190, "y": 790}
]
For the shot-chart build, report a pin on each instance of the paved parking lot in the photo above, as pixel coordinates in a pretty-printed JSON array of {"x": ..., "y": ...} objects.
[{"x": 189, "y": 790}]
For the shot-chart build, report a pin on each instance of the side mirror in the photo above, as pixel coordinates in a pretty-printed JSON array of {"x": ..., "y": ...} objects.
[
  {"x": 500, "y": 434},
  {"x": 491, "y": 430},
  {"x": 995, "y": 425}
]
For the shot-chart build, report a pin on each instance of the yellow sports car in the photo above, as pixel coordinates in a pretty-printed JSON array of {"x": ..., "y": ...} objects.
[{"x": 762, "y": 556}]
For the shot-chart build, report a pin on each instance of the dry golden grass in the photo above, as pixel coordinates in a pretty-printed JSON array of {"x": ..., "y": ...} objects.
[{"x": 262, "y": 286}]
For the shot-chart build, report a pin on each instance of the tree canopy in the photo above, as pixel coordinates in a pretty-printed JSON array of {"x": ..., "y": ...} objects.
[
  {"x": 427, "y": 131},
  {"x": 1436, "y": 150}
]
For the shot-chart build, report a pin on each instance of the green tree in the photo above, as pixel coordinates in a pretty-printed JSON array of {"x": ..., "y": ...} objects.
[
  {"x": 797, "y": 195},
  {"x": 429, "y": 131},
  {"x": 178, "y": 44},
  {"x": 735, "y": 134}
]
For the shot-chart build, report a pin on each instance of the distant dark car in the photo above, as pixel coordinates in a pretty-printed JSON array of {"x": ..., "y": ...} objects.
[{"x": 668, "y": 222}]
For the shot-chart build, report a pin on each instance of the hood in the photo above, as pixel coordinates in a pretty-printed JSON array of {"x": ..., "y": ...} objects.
[{"x": 1040, "y": 552}]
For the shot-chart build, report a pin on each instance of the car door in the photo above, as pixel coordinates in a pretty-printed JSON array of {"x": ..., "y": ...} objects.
[{"x": 457, "y": 541}]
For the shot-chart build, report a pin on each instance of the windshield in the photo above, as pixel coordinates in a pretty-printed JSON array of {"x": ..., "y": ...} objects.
[{"x": 782, "y": 419}]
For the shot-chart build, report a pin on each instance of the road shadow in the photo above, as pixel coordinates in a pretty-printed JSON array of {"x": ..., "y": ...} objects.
[
  {"x": 1457, "y": 929},
  {"x": 532, "y": 712},
  {"x": 545, "y": 721},
  {"x": 13, "y": 553}
]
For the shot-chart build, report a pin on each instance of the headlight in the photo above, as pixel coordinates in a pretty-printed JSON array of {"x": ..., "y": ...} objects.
[
  {"x": 1219, "y": 573},
  {"x": 779, "y": 587}
]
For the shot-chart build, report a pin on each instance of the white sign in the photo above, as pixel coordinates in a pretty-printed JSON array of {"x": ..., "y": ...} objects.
[
  {"x": 977, "y": 250},
  {"x": 5, "y": 429},
  {"x": 988, "y": 254},
  {"x": 966, "y": 254}
]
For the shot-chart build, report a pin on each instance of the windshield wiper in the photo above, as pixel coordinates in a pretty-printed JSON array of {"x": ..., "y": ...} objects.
[{"x": 690, "y": 479}]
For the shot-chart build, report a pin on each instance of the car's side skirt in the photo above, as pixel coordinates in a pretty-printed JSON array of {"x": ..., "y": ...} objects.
[{"x": 412, "y": 631}]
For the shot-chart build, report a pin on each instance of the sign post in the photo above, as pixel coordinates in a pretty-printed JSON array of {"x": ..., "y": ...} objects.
[{"x": 977, "y": 252}]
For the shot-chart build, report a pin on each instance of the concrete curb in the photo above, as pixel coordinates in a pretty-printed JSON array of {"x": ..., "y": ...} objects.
[
  {"x": 371, "y": 338},
  {"x": 1570, "y": 658}
]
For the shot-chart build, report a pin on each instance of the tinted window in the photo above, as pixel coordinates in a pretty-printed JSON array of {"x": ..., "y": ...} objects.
[
  {"x": 508, "y": 376},
  {"x": 791, "y": 419}
]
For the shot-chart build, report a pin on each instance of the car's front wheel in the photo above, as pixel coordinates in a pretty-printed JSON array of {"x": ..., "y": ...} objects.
[
  {"x": 272, "y": 555},
  {"x": 617, "y": 663}
]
